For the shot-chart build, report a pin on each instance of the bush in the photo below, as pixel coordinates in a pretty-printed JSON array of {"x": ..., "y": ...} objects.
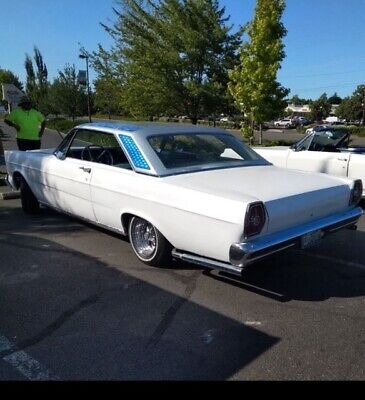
[
  {"x": 63, "y": 124},
  {"x": 354, "y": 130}
]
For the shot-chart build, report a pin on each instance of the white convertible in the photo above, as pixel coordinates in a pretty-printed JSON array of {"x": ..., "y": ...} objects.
[
  {"x": 193, "y": 193},
  {"x": 326, "y": 150}
]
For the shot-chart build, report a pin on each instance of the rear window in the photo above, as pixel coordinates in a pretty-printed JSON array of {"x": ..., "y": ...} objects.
[{"x": 186, "y": 150}]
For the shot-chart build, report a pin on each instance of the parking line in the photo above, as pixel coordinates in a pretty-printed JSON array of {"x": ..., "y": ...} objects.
[{"x": 24, "y": 363}]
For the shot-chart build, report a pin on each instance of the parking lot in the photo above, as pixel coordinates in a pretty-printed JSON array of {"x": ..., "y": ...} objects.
[{"x": 76, "y": 304}]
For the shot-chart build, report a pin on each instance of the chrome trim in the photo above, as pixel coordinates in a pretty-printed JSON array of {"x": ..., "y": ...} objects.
[
  {"x": 242, "y": 254},
  {"x": 207, "y": 262}
]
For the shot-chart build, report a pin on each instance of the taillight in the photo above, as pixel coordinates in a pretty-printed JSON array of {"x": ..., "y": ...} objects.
[
  {"x": 255, "y": 219},
  {"x": 356, "y": 192}
]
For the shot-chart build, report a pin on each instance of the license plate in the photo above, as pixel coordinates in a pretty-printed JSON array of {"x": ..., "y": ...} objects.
[{"x": 311, "y": 239}]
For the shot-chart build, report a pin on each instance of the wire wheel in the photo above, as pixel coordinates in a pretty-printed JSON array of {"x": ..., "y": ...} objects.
[{"x": 144, "y": 239}]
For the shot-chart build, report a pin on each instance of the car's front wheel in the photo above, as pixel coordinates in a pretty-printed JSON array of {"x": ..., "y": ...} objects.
[
  {"x": 30, "y": 204},
  {"x": 148, "y": 243}
]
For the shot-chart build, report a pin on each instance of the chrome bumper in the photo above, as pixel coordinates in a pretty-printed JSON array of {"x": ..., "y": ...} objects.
[{"x": 242, "y": 254}]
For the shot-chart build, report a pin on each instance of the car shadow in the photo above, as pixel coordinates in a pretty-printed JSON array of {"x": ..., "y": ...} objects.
[
  {"x": 307, "y": 276},
  {"x": 310, "y": 275},
  {"x": 84, "y": 319}
]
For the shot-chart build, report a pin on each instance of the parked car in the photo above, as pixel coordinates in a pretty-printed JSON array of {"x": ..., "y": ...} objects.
[
  {"x": 285, "y": 123},
  {"x": 194, "y": 193},
  {"x": 317, "y": 128},
  {"x": 326, "y": 151},
  {"x": 302, "y": 121}
]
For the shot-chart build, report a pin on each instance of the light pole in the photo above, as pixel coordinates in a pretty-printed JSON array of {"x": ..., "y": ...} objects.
[{"x": 86, "y": 57}]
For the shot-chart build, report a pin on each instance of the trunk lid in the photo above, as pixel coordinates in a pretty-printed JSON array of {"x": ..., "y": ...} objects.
[{"x": 291, "y": 197}]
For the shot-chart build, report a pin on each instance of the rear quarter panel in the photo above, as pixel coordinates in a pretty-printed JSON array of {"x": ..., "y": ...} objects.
[
  {"x": 276, "y": 155},
  {"x": 356, "y": 168},
  {"x": 192, "y": 221}
]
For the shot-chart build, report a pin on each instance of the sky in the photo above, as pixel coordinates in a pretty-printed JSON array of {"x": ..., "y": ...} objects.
[{"x": 324, "y": 45}]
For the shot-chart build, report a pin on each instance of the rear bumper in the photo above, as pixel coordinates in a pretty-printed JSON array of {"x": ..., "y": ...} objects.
[{"x": 242, "y": 254}]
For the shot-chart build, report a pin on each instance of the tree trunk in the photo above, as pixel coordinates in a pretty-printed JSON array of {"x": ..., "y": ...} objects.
[
  {"x": 194, "y": 120},
  {"x": 260, "y": 140}
]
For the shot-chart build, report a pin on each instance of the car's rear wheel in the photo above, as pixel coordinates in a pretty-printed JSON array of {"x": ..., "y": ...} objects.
[
  {"x": 148, "y": 243},
  {"x": 30, "y": 204}
]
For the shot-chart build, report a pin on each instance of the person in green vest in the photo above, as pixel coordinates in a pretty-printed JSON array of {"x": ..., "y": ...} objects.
[{"x": 29, "y": 124}]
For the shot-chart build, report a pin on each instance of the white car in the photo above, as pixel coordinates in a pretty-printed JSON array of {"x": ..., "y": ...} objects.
[
  {"x": 286, "y": 123},
  {"x": 324, "y": 151},
  {"x": 317, "y": 128},
  {"x": 193, "y": 193}
]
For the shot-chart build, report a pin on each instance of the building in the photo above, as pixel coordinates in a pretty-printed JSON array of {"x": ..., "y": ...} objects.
[{"x": 304, "y": 109}]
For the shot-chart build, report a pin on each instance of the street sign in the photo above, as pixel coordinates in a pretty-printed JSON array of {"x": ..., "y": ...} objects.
[
  {"x": 81, "y": 77},
  {"x": 11, "y": 94}
]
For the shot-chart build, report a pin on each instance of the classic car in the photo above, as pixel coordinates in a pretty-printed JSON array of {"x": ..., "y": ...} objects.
[
  {"x": 327, "y": 151},
  {"x": 194, "y": 193}
]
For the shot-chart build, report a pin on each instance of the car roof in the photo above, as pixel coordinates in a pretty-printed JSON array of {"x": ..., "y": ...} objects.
[{"x": 144, "y": 129}]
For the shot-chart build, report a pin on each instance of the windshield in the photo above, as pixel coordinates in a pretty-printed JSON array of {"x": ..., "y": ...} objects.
[
  {"x": 187, "y": 150},
  {"x": 326, "y": 140}
]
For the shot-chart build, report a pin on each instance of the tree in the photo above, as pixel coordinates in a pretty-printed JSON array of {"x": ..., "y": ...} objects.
[
  {"x": 172, "y": 56},
  {"x": 321, "y": 108},
  {"x": 37, "y": 81},
  {"x": 335, "y": 99},
  {"x": 68, "y": 97},
  {"x": 352, "y": 107},
  {"x": 253, "y": 82},
  {"x": 6, "y": 76},
  {"x": 296, "y": 100},
  {"x": 108, "y": 84}
]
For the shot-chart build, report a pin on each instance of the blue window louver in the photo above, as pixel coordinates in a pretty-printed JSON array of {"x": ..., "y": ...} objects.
[{"x": 134, "y": 152}]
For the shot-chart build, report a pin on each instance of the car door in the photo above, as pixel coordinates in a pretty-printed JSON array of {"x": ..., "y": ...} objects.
[
  {"x": 311, "y": 155},
  {"x": 69, "y": 174}
]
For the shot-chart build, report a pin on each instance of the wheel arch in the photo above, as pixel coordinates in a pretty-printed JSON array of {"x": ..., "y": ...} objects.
[
  {"x": 127, "y": 215},
  {"x": 17, "y": 176}
]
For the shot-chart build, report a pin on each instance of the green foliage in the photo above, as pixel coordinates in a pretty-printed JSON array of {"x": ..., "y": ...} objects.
[
  {"x": 335, "y": 99},
  {"x": 37, "y": 84},
  {"x": 6, "y": 76},
  {"x": 351, "y": 107},
  {"x": 297, "y": 101},
  {"x": 62, "y": 124},
  {"x": 66, "y": 95},
  {"x": 170, "y": 57},
  {"x": 353, "y": 130},
  {"x": 321, "y": 108},
  {"x": 253, "y": 82}
]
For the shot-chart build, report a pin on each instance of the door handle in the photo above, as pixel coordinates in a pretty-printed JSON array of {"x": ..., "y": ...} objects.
[
  {"x": 88, "y": 170},
  {"x": 341, "y": 159}
]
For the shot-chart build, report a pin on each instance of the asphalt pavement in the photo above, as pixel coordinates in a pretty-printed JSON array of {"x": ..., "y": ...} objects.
[{"x": 76, "y": 304}]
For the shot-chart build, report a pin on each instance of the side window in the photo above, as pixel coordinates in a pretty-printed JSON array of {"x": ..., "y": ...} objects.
[
  {"x": 325, "y": 141},
  {"x": 304, "y": 144},
  {"x": 99, "y": 147},
  {"x": 64, "y": 145}
]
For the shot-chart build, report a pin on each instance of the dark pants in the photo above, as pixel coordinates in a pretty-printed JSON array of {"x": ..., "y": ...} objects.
[{"x": 25, "y": 144}]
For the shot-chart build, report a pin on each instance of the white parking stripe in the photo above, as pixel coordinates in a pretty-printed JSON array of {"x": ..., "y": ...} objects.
[{"x": 24, "y": 363}]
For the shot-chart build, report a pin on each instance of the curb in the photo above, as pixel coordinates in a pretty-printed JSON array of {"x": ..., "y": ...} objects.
[{"x": 10, "y": 195}]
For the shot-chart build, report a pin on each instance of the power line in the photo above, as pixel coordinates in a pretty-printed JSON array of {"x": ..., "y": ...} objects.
[
  {"x": 322, "y": 74},
  {"x": 328, "y": 87}
]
